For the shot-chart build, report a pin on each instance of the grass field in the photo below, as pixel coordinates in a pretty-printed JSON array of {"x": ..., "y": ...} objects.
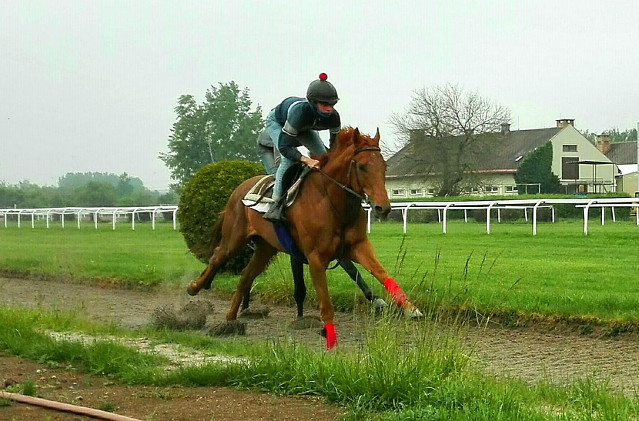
[{"x": 559, "y": 273}]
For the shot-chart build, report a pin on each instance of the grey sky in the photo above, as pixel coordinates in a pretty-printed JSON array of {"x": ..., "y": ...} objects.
[{"x": 91, "y": 85}]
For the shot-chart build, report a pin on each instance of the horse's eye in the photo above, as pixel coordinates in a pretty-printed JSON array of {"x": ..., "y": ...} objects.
[{"x": 361, "y": 167}]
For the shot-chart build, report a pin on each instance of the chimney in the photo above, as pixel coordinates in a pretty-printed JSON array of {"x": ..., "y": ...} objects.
[
  {"x": 505, "y": 128},
  {"x": 602, "y": 143},
  {"x": 565, "y": 122}
]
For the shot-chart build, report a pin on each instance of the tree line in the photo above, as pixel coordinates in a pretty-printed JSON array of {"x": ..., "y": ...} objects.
[{"x": 89, "y": 189}]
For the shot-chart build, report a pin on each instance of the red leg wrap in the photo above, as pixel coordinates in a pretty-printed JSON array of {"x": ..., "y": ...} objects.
[
  {"x": 395, "y": 291},
  {"x": 331, "y": 337}
]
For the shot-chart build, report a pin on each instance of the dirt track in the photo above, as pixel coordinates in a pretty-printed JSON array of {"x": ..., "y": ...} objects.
[{"x": 531, "y": 354}]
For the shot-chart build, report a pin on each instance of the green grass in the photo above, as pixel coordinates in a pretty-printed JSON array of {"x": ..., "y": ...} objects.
[
  {"x": 411, "y": 373},
  {"x": 139, "y": 258},
  {"x": 559, "y": 273}
]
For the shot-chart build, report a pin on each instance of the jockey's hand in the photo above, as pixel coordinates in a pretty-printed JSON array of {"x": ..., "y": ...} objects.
[{"x": 312, "y": 163}]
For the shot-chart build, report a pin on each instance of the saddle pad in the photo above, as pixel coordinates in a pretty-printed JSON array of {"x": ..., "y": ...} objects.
[
  {"x": 287, "y": 241},
  {"x": 259, "y": 197}
]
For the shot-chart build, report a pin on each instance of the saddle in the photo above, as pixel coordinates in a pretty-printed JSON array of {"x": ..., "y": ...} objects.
[{"x": 260, "y": 197}]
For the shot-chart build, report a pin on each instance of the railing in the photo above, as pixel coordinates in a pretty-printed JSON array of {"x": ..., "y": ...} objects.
[
  {"x": 524, "y": 204},
  {"x": 96, "y": 212},
  {"x": 442, "y": 209}
]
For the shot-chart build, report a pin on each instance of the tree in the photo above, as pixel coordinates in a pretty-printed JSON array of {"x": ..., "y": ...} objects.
[
  {"x": 222, "y": 128},
  {"x": 123, "y": 183},
  {"x": 451, "y": 128},
  {"x": 621, "y": 136},
  {"x": 95, "y": 193},
  {"x": 628, "y": 135},
  {"x": 536, "y": 168}
]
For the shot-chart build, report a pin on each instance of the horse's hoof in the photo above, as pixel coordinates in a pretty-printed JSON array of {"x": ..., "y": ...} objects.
[
  {"x": 191, "y": 289},
  {"x": 255, "y": 313},
  {"x": 228, "y": 328},
  {"x": 413, "y": 313},
  {"x": 306, "y": 322},
  {"x": 379, "y": 304}
]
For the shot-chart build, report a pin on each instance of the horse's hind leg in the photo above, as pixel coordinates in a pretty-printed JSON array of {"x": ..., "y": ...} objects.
[
  {"x": 299, "y": 293},
  {"x": 203, "y": 280},
  {"x": 352, "y": 271},
  {"x": 221, "y": 254},
  {"x": 263, "y": 253}
]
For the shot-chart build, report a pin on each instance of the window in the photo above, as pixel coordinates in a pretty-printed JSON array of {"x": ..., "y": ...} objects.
[
  {"x": 570, "y": 148},
  {"x": 492, "y": 189},
  {"x": 431, "y": 191},
  {"x": 399, "y": 192},
  {"x": 416, "y": 192},
  {"x": 511, "y": 189},
  {"x": 569, "y": 168}
]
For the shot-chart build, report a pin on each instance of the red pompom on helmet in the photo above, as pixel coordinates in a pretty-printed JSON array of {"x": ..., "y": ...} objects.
[{"x": 321, "y": 90}]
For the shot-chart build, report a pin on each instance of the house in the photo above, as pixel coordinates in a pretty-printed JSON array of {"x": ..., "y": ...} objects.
[
  {"x": 580, "y": 166},
  {"x": 624, "y": 154}
]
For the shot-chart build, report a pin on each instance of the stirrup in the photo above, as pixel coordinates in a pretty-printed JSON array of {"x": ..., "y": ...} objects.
[{"x": 276, "y": 212}]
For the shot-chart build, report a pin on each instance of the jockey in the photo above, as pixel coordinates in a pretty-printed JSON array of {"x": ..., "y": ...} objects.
[{"x": 294, "y": 123}]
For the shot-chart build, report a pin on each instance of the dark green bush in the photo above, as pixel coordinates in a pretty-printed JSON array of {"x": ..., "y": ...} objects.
[{"x": 203, "y": 198}]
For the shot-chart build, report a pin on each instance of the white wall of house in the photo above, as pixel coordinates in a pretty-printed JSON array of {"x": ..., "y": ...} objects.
[
  {"x": 417, "y": 187},
  {"x": 629, "y": 183},
  {"x": 570, "y": 143},
  {"x": 408, "y": 187}
]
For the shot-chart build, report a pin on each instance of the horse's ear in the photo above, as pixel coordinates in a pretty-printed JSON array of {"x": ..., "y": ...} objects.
[
  {"x": 376, "y": 138},
  {"x": 357, "y": 139}
]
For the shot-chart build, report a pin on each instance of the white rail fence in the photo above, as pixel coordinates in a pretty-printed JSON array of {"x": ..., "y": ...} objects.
[
  {"x": 95, "y": 213},
  {"x": 442, "y": 208},
  {"x": 531, "y": 204}
]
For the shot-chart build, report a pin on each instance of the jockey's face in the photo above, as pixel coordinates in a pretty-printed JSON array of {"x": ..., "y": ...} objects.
[{"x": 324, "y": 108}]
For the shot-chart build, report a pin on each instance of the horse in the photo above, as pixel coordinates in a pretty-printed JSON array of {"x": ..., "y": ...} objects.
[{"x": 319, "y": 223}]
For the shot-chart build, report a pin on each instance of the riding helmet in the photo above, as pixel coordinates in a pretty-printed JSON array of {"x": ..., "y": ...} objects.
[{"x": 321, "y": 90}]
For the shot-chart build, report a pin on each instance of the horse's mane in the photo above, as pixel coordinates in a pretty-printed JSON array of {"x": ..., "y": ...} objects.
[{"x": 343, "y": 140}]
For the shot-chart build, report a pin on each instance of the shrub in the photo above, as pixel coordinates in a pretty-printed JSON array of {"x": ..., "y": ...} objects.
[{"x": 203, "y": 198}]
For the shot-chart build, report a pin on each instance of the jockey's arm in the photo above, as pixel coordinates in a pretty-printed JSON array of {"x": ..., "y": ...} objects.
[
  {"x": 288, "y": 148},
  {"x": 288, "y": 144}
]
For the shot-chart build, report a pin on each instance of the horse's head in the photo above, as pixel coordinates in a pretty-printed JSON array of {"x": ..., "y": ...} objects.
[{"x": 366, "y": 167}]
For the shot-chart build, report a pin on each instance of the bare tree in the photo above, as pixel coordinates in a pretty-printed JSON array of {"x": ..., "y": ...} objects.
[{"x": 443, "y": 132}]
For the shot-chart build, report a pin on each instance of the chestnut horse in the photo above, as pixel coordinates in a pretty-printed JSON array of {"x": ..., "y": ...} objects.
[{"x": 355, "y": 167}]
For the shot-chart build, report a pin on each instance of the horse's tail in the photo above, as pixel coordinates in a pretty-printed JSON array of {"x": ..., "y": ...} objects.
[
  {"x": 216, "y": 231},
  {"x": 204, "y": 250}
]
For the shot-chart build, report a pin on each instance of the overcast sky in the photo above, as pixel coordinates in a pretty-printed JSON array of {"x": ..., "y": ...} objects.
[{"x": 91, "y": 85}]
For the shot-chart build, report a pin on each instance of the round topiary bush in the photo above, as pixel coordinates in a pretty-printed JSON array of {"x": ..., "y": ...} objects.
[{"x": 203, "y": 198}]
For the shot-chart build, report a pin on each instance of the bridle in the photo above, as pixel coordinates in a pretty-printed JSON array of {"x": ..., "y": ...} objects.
[
  {"x": 349, "y": 190},
  {"x": 348, "y": 174}
]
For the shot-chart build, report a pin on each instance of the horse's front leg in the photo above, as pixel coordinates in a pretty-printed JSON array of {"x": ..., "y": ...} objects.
[
  {"x": 363, "y": 253},
  {"x": 327, "y": 313}
]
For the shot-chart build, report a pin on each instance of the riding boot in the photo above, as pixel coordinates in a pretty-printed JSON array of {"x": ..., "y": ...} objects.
[{"x": 276, "y": 213}]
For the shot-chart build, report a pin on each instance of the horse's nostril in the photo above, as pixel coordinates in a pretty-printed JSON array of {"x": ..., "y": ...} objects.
[{"x": 379, "y": 209}]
